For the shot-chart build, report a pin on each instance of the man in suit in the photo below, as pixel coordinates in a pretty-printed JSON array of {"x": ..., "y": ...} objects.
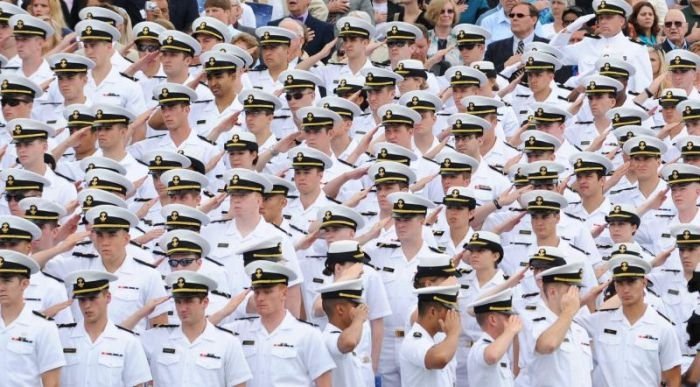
[
  {"x": 506, "y": 52},
  {"x": 674, "y": 27},
  {"x": 323, "y": 32}
]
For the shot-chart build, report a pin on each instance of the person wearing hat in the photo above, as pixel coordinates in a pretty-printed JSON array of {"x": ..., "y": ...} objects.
[
  {"x": 487, "y": 363},
  {"x": 342, "y": 143},
  {"x": 30, "y": 34},
  {"x": 613, "y": 14},
  {"x": 70, "y": 71},
  {"x": 183, "y": 186},
  {"x": 380, "y": 84},
  {"x": 453, "y": 229},
  {"x": 471, "y": 43},
  {"x": 18, "y": 94},
  {"x": 32, "y": 343},
  {"x": 98, "y": 341},
  {"x": 400, "y": 40},
  {"x": 110, "y": 86},
  {"x": 683, "y": 65},
  {"x": 300, "y": 90},
  {"x": 145, "y": 35},
  {"x": 464, "y": 81},
  {"x": 275, "y": 45},
  {"x": 19, "y": 184},
  {"x": 242, "y": 150},
  {"x": 80, "y": 145},
  {"x": 158, "y": 163},
  {"x": 590, "y": 170},
  {"x": 689, "y": 146},
  {"x": 690, "y": 111},
  {"x": 296, "y": 353},
  {"x": 218, "y": 356},
  {"x": 551, "y": 119},
  {"x": 209, "y": 31},
  {"x": 423, "y": 361},
  {"x": 274, "y": 202},
  {"x": 427, "y": 105},
  {"x": 6, "y": 12},
  {"x": 633, "y": 331},
  {"x": 245, "y": 225},
  {"x": 343, "y": 304},
  {"x": 561, "y": 346},
  {"x": 539, "y": 72}
]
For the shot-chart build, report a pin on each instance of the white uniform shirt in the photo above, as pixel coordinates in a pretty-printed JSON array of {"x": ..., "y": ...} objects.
[
  {"x": 44, "y": 292},
  {"x": 348, "y": 366},
  {"x": 116, "y": 89},
  {"x": 498, "y": 374},
  {"x": 412, "y": 361},
  {"x": 294, "y": 354},
  {"x": 115, "y": 359},
  {"x": 631, "y": 355},
  {"x": 215, "y": 358},
  {"x": 29, "y": 346}
]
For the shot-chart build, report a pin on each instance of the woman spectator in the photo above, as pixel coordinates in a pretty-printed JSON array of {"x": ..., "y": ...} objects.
[
  {"x": 657, "y": 57},
  {"x": 645, "y": 23},
  {"x": 413, "y": 13},
  {"x": 557, "y": 8},
  {"x": 443, "y": 14},
  {"x": 51, "y": 11}
]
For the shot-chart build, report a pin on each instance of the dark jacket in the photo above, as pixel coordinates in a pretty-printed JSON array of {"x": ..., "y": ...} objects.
[
  {"x": 324, "y": 33},
  {"x": 499, "y": 51}
]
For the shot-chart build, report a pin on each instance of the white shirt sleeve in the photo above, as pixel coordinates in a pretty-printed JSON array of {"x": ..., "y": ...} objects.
[
  {"x": 237, "y": 370},
  {"x": 136, "y": 369},
  {"x": 316, "y": 356},
  {"x": 50, "y": 350}
]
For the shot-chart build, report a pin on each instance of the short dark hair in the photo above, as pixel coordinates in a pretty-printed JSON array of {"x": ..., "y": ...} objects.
[{"x": 424, "y": 306}]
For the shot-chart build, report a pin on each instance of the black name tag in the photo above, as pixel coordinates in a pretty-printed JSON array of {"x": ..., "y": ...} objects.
[
  {"x": 610, "y": 331},
  {"x": 70, "y": 350},
  {"x": 168, "y": 350},
  {"x": 222, "y": 245},
  {"x": 248, "y": 342},
  {"x": 200, "y": 122},
  {"x": 673, "y": 292},
  {"x": 318, "y": 280},
  {"x": 525, "y": 232},
  {"x": 388, "y": 269}
]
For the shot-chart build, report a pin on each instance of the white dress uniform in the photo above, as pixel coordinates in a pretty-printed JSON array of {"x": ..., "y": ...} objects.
[
  {"x": 116, "y": 89},
  {"x": 116, "y": 358},
  {"x": 498, "y": 374},
  {"x": 294, "y": 354},
  {"x": 412, "y": 359},
  {"x": 44, "y": 292},
  {"x": 348, "y": 366},
  {"x": 29, "y": 346},
  {"x": 215, "y": 358}
]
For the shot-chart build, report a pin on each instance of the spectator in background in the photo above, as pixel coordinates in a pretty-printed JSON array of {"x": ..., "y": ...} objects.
[
  {"x": 497, "y": 23},
  {"x": 645, "y": 23},
  {"x": 472, "y": 10},
  {"x": 386, "y": 11},
  {"x": 413, "y": 12},
  {"x": 557, "y": 8},
  {"x": 237, "y": 8},
  {"x": 249, "y": 43},
  {"x": 692, "y": 14},
  {"x": 507, "y": 51},
  {"x": 443, "y": 15},
  {"x": 674, "y": 28},
  {"x": 340, "y": 8},
  {"x": 657, "y": 57},
  {"x": 50, "y": 11},
  {"x": 323, "y": 33},
  {"x": 183, "y": 13},
  {"x": 161, "y": 11}
]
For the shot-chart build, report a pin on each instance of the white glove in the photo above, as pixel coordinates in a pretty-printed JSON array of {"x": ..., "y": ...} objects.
[{"x": 579, "y": 22}]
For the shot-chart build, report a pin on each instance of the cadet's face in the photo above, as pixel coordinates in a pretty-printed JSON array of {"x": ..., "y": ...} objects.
[
  {"x": 685, "y": 195},
  {"x": 22, "y": 108},
  {"x": 160, "y": 187},
  {"x": 110, "y": 244},
  {"x": 174, "y": 63},
  {"x": 191, "y": 310},
  {"x": 94, "y": 307},
  {"x": 645, "y": 167},
  {"x": 5, "y": 32},
  {"x": 220, "y": 83},
  {"x": 46, "y": 240},
  {"x": 108, "y": 137},
  {"x": 400, "y": 50},
  {"x": 186, "y": 261},
  {"x": 354, "y": 46},
  {"x": 384, "y": 190},
  {"x": 28, "y": 47},
  {"x": 588, "y": 183},
  {"x": 610, "y": 25},
  {"x": 12, "y": 289},
  {"x": 457, "y": 216},
  {"x": 318, "y": 138},
  {"x": 242, "y": 159},
  {"x": 13, "y": 200},
  {"x": 410, "y": 84},
  {"x": 459, "y": 92},
  {"x": 600, "y": 103},
  {"x": 693, "y": 127},
  {"x": 379, "y": 97},
  {"x": 426, "y": 123},
  {"x": 186, "y": 198},
  {"x": 398, "y": 134},
  {"x": 621, "y": 232},
  {"x": 307, "y": 99},
  {"x": 683, "y": 78},
  {"x": 98, "y": 52},
  {"x": 307, "y": 180},
  {"x": 273, "y": 206},
  {"x": 175, "y": 115},
  {"x": 258, "y": 120},
  {"x": 332, "y": 234},
  {"x": 468, "y": 144},
  {"x": 408, "y": 228},
  {"x": 539, "y": 156},
  {"x": 269, "y": 300},
  {"x": 539, "y": 80},
  {"x": 31, "y": 152},
  {"x": 71, "y": 86},
  {"x": 630, "y": 291},
  {"x": 670, "y": 114},
  {"x": 244, "y": 202},
  {"x": 456, "y": 180},
  {"x": 544, "y": 224},
  {"x": 556, "y": 129},
  {"x": 207, "y": 41},
  {"x": 482, "y": 259},
  {"x": 471, "y": 52},
  {"x": 690, "y": 257},
  {"x": 275, "y": 56}
]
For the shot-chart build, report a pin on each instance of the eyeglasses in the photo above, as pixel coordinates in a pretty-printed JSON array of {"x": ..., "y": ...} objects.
[
  {"x": 181, "y": 262},
  {"x": 447, "y": 11},
  {"x": 294, "y": 96},
  {"x": 677, "y": 24},
  {"x": 147, "y": 47},
  {"x": 466, "y": 46},
  {"x": 15, "y": 197},
  {"x": 396, "y": 43},
  {"x": 12, "y": 102},
  {"x": 517, "y": 15}
]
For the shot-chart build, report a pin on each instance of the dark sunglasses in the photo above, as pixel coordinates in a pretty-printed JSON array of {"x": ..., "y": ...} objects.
[
  {"x": 677, "y": 24},
  {"x": 396, "y": 43},
  {"x": 14, "y": 197},
  {"x": 295, "y": 96},
  {"x": 147, "y": 47},
  {"x": 447, "y": 11},
  {"x": 517, "y": 15},
  {"x": 12, "y": 102},
  {"x": 466, "y": 46},
  {"x": 181, "y": 262}
]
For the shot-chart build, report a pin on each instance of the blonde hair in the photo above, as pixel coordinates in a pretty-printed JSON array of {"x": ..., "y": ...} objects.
[
  {"x": 53, "y": 40},
  {"x": 435, "y": 7},
  {"x": 55, "y": 14}
]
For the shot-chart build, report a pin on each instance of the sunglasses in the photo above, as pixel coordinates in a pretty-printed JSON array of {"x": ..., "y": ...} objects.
[
  {"x": 396, "y": 43},
  {"x": 15, "y": 197},
  {"x": 181, "y": 262},
  {"x": 147, "y": 47},
  {"x": 447, "y": 11},
  {"x": 466, "y": 46},
  {"x": 677, "y": 24},
  {"x": 12, "y": 102},
  {"x": 295, "y": 96},
  {"x": 517, "y": 15}
]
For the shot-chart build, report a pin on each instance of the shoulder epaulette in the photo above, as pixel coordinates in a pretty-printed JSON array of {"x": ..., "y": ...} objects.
[
  {"x": 333, "y": 200},
  {"x": 365, "y": 114},
  {"x": 84, "y": 255},
  {"x": 510, "y": 145},
  {"x": 142, "y": 200},
  {"x": 281, "y": 229},
  {"x": 431, "y": 160},
  {"x": 133, "y": 243},
  {"x": 381, "y": 64},
  {"x": 539, "y": 319},
  {"x": 651, "y": 290},
  {"x": 641, "y": 106},
  {"x": 634, "y": 93},
  {"x": 68, "y": 325},
  {"x": 52, "y": 277},
  {"x": 573, "y": 216},
  {"x": 336, "y": 63},
  {"x": 247, "y": 318},
  {"x": 226, "y": 330},
  {"x": 583, "y": 122},
  {"x": 144, "y": 263},
  {"x": 207, "y": 193},
  {"x": 579, "y": 249},
  {"x": 11, "y": 68},
  {"x": 64, "y": 177},
  {"x": 203, "y": 84},
  {"x": 665, "y": 318},
  {"x": 206, "y": 139},
  {"x": 84, "y": 243},
  {"x": 529, "y": 295},
  {"x": 48, "y": 103},
  {"x": 607, "y": 309},
  {"x": 621, "y": 190},
  {"x": 576, "y": 202},
  {"x": 368, "y": 213},
  {"x": 166, "y": 326},
  {"x": 218, "y": 293},
  {"x": 440, "y": 114},
  {"x": 214, "y": 261},
  {"x": 435, "y": 249},
  {"x": 592, "y": 36},
  {"x": 563, "y": 98},
  {"x": 280, "y": 117},
  {"x": 346, "y": 163},
  {"x": 465, "y": 271},
  {"x": 306, "y": 322},
  {"x": 128, "y": 77},
  {"x": 438, "y": 233},
  {"x": 156, "y": 136},
  {"x": 159, "y": 77},
  {"x": 45, "y": 317},
  {"x": 563, "y": 86},
  {"x": 295, "y": 228},
  {"x": 388, "y": 245},
  {"x": 220, "y": 221},
  {"x": 126, "y": 330},
  {"x": 500, "y": 172},
  {"x": 203, "y": 101}
]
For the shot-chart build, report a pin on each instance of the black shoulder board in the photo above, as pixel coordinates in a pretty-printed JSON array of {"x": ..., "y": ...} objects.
[
  {"x": 592, "y": 36},
  {"x": 577, "y": 202},
  {"x": 641, "y": 106},
  {"x": 247, "y": 318},
  {"x": 435, "y": 249},
  {"x": 346, "y": 163},
  {"x": 202, "y": 101},
  {"x": 159, "y": 253},
  {"x": 157, "y": 135},
  {"x": 84, "y": 255},
  {"x": 651, "y": 290},
  {"x": 64, "y": 176},
  {"x": 563, "y": 86},
  {"x": 583, "y": 122},
  {"x": 443, "y": 114},
  {"x": 138, "y": 245},
  {"x": 48, "y": 103},
  {"x": 336, "y": 63},
  {"x": 607, "y": 309},
  {"x": 51, "y": 276},
  {"x": 579, "y": 249},
  {"x": 226, "y": 330},
  {"x": 293, "y": 227},
  {"x": 84, "y": 243},
  {"x": 573, "y": 216},
  {"x": 665, "y": 318},
  {"x": 214, "y": 261},
  {"x": 539, "y": 319},
  {"x": 634, "y": 93},
  {"x": 368, "y": 213},
  {"x": 431, "y": 160},
  {"x": 142, "y": 200},
  {"x": 207, "y": 193},
  {"x": 306, "y": 322},
  {"x": 281, "y": 229},
  {"x": 495, "y": 168},
  {"x": 220, "y": 221},
  {"x": 621, "y": 190},
  {"x": 206, "y": 139},
  {"x": 657, "y": 127},
  {"x": 126, "y": 330},
  {"x": 69, "y": 325},
  {"x": 388, "y": 245},
  {"x": 128, "y": 77},
  {"x": 280, "y": 117},
  {"x": 144, "y": 263},
  {"x": 333, "y": 200},
  {"x": 510, "y": 146},
  {"x": 528, "y": 295},
  {"x": 531, "y": 307},
  {"x": 45, "y": 317},
  {"x": 381, "y": 64},
  {"x": 166, "y": 326},
  {"x": 11, "y": 68},
  {"x": 438, "y": 233},
  {"x": 218, "y": 293}
]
